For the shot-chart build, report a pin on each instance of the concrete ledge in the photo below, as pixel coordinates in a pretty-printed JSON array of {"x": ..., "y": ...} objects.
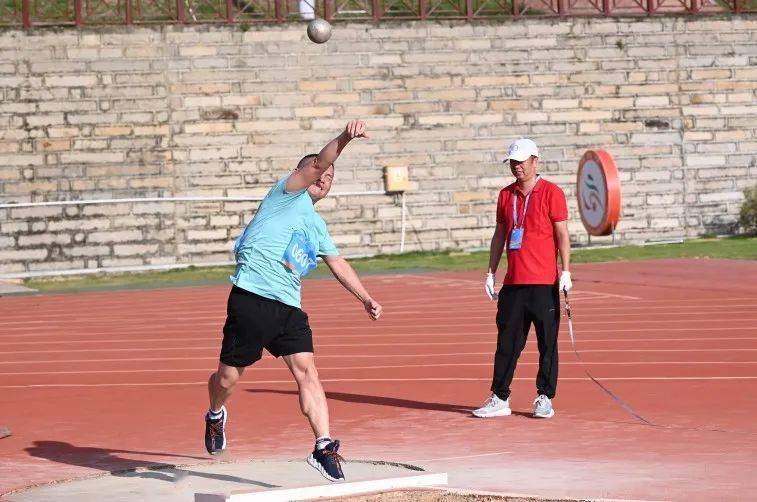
[
  {"x": 332, "y": 490},
  {"x": 11, "y": 288}
]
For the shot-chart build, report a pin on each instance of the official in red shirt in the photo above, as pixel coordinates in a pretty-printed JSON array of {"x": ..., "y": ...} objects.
[{"x": 532, "y": 225}]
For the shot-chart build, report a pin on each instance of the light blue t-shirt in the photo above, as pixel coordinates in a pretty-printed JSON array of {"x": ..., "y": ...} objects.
[{"x": 260, "y": 249}]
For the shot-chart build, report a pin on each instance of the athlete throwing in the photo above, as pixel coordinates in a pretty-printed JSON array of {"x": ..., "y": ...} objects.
[{"x": 278, "y": 248}]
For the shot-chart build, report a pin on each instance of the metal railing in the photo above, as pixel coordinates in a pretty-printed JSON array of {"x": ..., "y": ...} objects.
[{"x": 28, "y": 13}]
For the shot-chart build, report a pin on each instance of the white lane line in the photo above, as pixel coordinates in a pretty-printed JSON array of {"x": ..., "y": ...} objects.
[
  {"x": 420, "y": 298},
  {"x": 403, "y": 330},
  {"x": 492, "y": 339},
  {"x": 354, "y": 368},
  {"x": 215, "y": 348},
  {"x": 216, "y": 320},
  {"x": 337, "y": 313},
  {"x": 475, "y": 285},
  {"x": 374, "y": 380},
  {"x": 489, "y": 333},
  {"x": 460, "y": 457},
  {"x": 100, "y": 361},
  {"x": 334, "y": 313}
]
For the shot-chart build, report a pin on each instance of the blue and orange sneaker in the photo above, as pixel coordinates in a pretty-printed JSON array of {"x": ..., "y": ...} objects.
[
  {"x": 327, "y": 461},
  {"x": 215, "y": 433}
]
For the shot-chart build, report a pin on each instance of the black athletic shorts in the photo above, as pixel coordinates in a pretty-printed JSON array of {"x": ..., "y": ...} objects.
[{"x": 254, "y": 323}]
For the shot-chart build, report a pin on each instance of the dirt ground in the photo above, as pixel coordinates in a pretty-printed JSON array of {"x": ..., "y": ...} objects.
[{"x": 435, "y": 496}]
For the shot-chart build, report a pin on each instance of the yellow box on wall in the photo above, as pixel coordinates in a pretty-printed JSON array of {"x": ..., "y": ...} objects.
[{"x": 395, "y": 178}]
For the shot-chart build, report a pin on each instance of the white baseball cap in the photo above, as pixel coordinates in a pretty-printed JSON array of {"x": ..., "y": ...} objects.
[{"x": 522, "y": 149}]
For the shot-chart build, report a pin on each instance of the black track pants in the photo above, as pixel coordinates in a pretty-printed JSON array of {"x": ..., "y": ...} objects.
[{"x": 518, "y": 307}]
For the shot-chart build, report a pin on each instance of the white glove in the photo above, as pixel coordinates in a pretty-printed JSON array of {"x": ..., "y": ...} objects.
[
  {"x": 489, "y": 286},
  {"x": 565, "y": 283}
]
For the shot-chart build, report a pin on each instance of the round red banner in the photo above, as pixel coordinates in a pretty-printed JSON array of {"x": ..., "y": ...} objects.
[{"x": 598, "y": 192}]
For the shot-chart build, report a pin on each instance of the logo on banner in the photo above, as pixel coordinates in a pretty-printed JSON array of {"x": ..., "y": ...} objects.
[{"x": 598, "y": 188}]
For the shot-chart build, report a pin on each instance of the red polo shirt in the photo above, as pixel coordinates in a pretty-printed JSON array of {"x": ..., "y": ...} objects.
[{"x": 536, "y": 260}]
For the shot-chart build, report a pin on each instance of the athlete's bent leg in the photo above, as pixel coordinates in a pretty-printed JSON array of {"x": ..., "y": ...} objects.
[
  {"x": 312, "y": 398},
  {"x": 221, "y": 384}
]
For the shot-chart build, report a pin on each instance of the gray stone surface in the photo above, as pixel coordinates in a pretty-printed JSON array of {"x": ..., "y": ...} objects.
[
  {"x": 11, "y": 288},
  {"x": 181, "y": 484}
]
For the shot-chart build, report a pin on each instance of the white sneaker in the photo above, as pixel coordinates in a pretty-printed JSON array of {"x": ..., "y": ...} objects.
[
  {"x": 543, "y": 407},
  {"x": 494, "y": 407}
]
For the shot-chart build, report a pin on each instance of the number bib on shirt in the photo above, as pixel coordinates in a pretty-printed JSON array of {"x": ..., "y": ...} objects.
[
  {"x": 299, "y": 256},
  {"x": 516, "y": 238}
]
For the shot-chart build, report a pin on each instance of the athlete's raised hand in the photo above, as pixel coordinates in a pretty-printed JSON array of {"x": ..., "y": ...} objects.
[{"x": 355, "y": 129}]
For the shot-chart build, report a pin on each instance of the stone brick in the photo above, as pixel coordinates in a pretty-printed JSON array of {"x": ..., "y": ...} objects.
[
  {"x": 22, "y": 160},
  {"x": 207, "y": 235},
  {"x": 496, "y": 81},
  {"x": 87, "y": 251},
  {"x": 652, "y": 101},
  {"x": 736, "y": 135},
  {"x": 705, "y": 160},
  {"x": 106, "y": 209},
  {"x": 24, "y": 255},
  {"x": 79, "y": 80},
  {"x": 202, "y": 101},
  {"x": 483, "y": 118},
  {"x": 459, "y": 197},
  {"x": 75, "y": 106},
  {"x": 440, "y": 119},
  {"x": 198, "y": 50},
  {"x": 161, "y": 130},
  {"x": 267, "y": 126},
  {"x": 710, "y": 74},
  {"x": 44, "y": 239},
  {"x": 240, "y": 100},
  {"x": 49, "y": 145},
  {"x": 580, "y": 115},
  {"x": 121, "y": 262},
  {"x": 18, "y": 107},
  {"x": 92, "y": 118},
  {"x": 449, "y": 95},
  {"x": 337, "y": 98},
  {"x": 314, "y": 111},
  {"x": 551, "y": 104},
  {"x": 214, "y": 153},
  {"x": 207, "y": 140},
  {"x": 114, "y": 236},
  {"x": 134, "y": 249},
  {"x": 656, "y": 138},
  {"x": 78, "y": 224},
  {"x": 92, "y": 157},
  {"x": 40, "y": 120}
]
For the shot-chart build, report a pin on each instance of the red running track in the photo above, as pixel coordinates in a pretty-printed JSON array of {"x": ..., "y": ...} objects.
[{"x": 97, "y": 382}]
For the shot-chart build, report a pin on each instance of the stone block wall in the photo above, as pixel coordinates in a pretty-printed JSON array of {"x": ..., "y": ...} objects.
[{"x": 171, "y": 111}]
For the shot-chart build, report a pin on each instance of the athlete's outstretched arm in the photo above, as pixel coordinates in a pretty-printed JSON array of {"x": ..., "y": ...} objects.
[
  {"x": 346, "y": 275},
  {"x": 309, "y": 174}
]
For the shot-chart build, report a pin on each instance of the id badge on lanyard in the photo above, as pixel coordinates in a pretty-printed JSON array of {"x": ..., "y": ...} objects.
[
  {"x": 516, "y": 234},
  {"x": 516, "y": 238},
  {"x": 299, "y": 256}
]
